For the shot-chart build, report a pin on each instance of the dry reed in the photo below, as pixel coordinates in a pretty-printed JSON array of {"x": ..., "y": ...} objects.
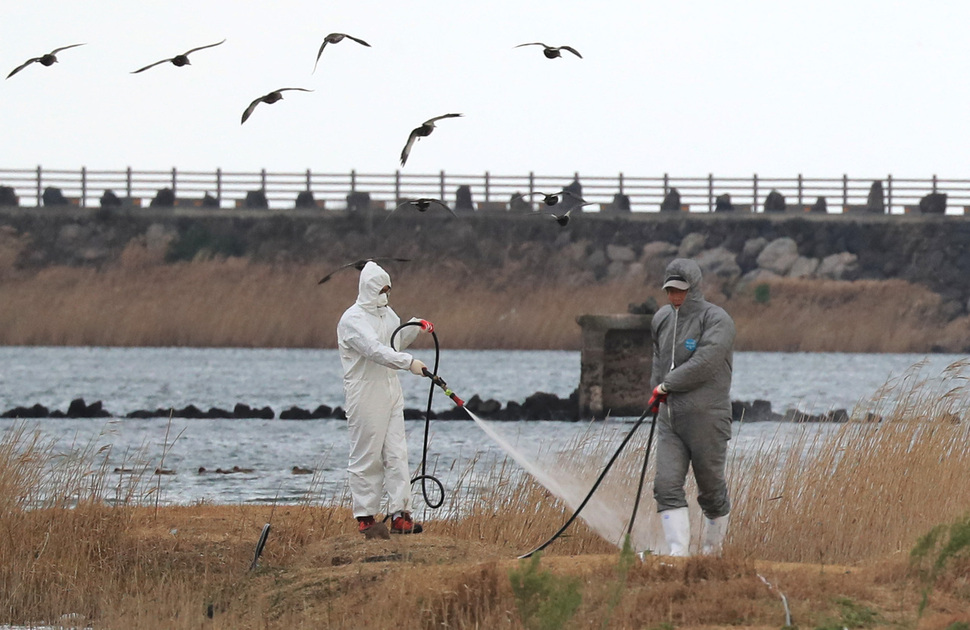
[
  {"x": 235, "y": 302},
  {"x": 854, "y": 495}
]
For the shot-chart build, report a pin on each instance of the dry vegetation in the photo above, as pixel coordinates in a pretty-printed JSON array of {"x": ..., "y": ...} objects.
[
  {"x": 828, "y": 524},
  {"x": 235, "y": 302}
]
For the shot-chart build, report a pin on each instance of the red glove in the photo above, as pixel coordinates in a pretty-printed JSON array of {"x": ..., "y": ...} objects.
[
  {"x": 659, "y": 396},
  {"x": 426, "y": 326}
]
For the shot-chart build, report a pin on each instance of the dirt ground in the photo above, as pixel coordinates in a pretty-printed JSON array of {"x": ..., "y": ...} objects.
[{"x": 317, "y": 571}]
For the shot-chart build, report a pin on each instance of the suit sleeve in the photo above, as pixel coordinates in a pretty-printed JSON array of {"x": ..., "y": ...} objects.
[{"x": 365, "y": 341}]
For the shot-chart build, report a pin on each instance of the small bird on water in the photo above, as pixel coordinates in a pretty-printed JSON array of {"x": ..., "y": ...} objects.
[
  {"x": 336, "y": 38},
  {"x": 178, "y": 60},
  {"x": 359, "y": 265},
  {"x": 419, "y": 132},
  {"x": 45, "y": 60},
  {"x": 269, "y": 99},
  {"x": 552, "y": 52}
]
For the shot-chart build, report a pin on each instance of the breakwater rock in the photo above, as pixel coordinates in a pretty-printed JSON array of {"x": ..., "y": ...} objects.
[
  {"x": 538, "y": 406},
  {"x": 739, "y": 249}
]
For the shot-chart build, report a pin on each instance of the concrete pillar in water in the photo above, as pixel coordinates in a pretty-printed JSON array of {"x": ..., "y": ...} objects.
[{"x": 616, "y": 360}]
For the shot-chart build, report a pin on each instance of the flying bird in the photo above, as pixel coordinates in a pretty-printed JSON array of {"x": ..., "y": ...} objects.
[
  {"x": 45, "y": 60},
  {"x": 551, "y": 199},
  {"x": 563, "y": 219},
  {"x": 359, "y": 265},
  {"x": 334, "y": 38},
  {"x": 552, "y": 52},
  {"x": 269, "y": 99},
  {"x": 178, "y": 60},
  {"x": 419, "y": 132},
  {"x": 422, "y": 205}
]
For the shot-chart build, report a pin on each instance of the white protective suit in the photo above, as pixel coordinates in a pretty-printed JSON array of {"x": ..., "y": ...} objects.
[{"x": 374, "y": 399}]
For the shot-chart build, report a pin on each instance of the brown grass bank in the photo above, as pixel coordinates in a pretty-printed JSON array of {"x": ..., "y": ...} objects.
[
  {"x": 828, "y": 524},
  {"x": 234, "y": 302}
]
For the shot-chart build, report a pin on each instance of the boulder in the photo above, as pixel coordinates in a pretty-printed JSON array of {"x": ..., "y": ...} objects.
[
  {"x": 208, "y": 201},
  {"x": 658, "y": 249},
  {"x": 518, "y": 203},
  {"x": 78, "y": 409},
  {"x": 620, "y": 203},
  {"x": 358, "y": 201},
  {"x": 803, "y": 267},
  {"x": 54, "y": 197},
  {"x": 933, "y": 203},
  {"x": 620, "y": 253},
  {"x": 36, "y": 411},
  {"x": 842, "y": 266},
  {"x": 256, "y": 199},
  {"x": 463, "y": 199},
  {"x": 779, "y": 255},
  {"x": 775, "y": 202},
  {"x": 164, "y": 198},
  {"x": 874, "y": 202},
  {"x": 305, "y": 200},
  {"x": 671, "y": 201},
  {"x": 723, "y": 203},
  {"x": 8, "y": 196},
  {"x": 109, "y": 199},
  {"x": 324, "y": 411},
  {"x": 719, "y": 263},
  {"x": 691, "y": 245},
  {"x": 748, "y": 258}
]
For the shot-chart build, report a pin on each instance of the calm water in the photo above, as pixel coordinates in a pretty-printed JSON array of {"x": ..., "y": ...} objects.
[{"x": 126, "y": 379}]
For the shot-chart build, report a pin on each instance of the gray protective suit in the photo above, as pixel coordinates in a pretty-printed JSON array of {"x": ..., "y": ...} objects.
[{"x": 692, "y": 357}]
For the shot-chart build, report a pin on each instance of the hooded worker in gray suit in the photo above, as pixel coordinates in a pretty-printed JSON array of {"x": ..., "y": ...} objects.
[{"x": 693, "y": 343}]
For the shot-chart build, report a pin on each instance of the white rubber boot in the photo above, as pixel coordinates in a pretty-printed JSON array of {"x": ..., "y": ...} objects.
[
  {"x": 715, "y": 529},
  {"x": 676, "y": 524}
]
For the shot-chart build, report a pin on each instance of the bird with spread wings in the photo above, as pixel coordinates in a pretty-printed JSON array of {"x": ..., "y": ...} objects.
[
  {"x": 419, "y": 132},
  {"x": 178, "y": 60}
]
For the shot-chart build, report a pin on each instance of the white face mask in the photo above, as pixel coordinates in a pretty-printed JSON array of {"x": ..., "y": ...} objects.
[{"x": 382, "y": 299}]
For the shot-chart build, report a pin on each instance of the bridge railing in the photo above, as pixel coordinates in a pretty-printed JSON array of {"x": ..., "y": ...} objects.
[{"x": 84, "y": 187}]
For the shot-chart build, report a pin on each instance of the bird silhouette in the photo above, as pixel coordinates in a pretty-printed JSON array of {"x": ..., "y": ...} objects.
[
  {"x": 269, "y": 99},
  {"x": 552, "y": 52},
  {"x": 335, "y": 38},
  {"x": 422, "y": 205},
  {"x": 178, "y": 60},
  {"x": 359, "y": 265},
  {"x": 45, "y": 60},
  {"x": 551, "y": 199},
  {"x": 563, "y": 219},
  {"x": 419, "y": 132}
]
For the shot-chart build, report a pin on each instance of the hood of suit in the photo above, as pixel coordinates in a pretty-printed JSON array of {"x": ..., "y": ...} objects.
[
  {"x": 373, "y": 278},
  {"x": 690, "y": 271}
]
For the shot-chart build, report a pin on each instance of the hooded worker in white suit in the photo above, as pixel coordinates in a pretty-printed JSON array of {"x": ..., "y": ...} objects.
[{"x": 378, "y": 462}]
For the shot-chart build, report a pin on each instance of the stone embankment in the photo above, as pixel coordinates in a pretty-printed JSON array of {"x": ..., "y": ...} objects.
[
  {"x": 736, "y": 249},
  {"x": 538, "y": 406}
]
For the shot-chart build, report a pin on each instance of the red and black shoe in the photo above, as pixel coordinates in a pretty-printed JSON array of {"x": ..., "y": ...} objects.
[
  {"x": 364, "y": 523},
  {"x": 404, "y": 524}
]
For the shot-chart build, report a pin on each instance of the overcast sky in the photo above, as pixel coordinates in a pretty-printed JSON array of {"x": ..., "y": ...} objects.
[{"x": 689, "y": 88}]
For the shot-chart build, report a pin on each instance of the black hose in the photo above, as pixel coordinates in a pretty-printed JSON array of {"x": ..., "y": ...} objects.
[
  {"x": 424, "y": 477},
  {"x": 596, "y": 484},
  {"x": 643, "y": 474}
]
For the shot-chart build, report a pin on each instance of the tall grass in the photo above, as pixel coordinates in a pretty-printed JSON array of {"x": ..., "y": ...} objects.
[
  {"x": 868, "y": 489},
  {"x": 236, "y": 302},
  {"x": 79, "y": 541}
]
